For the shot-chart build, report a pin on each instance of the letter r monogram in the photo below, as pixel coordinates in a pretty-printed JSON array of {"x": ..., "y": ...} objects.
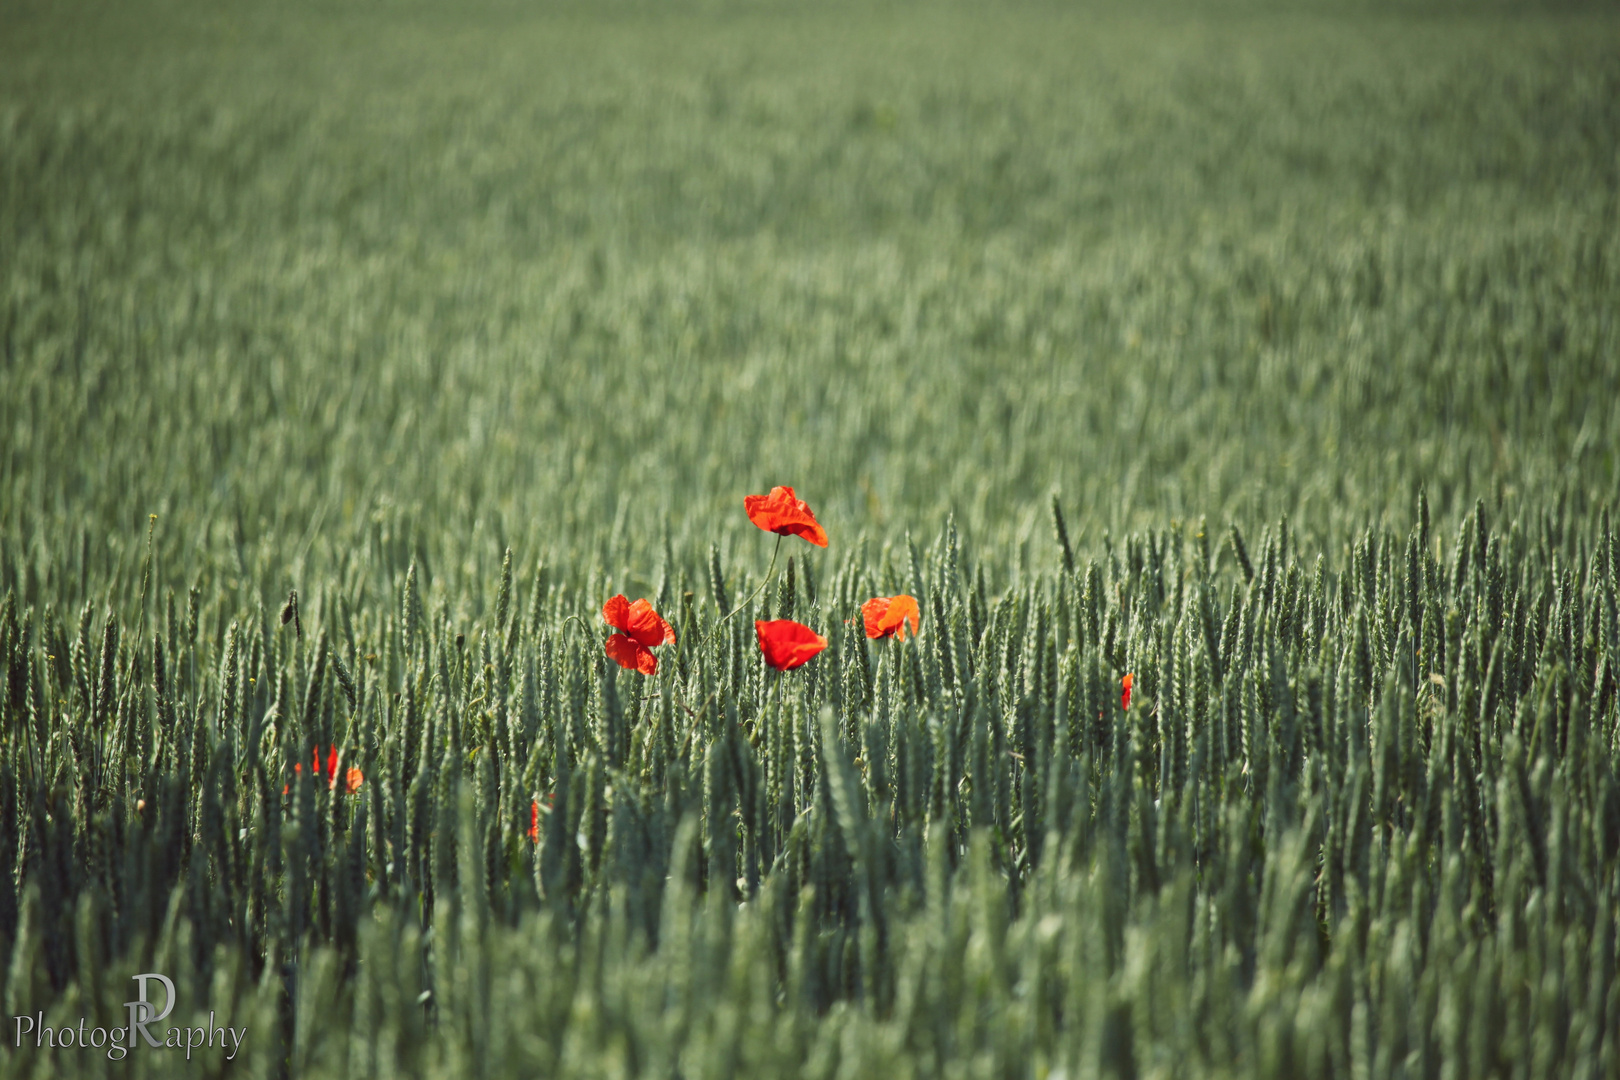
[{"x": 141, "y": 1010}]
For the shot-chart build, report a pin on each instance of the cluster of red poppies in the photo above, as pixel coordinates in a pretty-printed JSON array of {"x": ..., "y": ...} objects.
[
  {"x": 785, "y": 644},
  {"x": 351, "y": 778}
]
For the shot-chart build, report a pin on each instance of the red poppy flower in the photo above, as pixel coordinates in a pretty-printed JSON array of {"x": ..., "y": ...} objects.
[
  {"x": 787, "y": 644},
  {"x": 643, "y": 629},
  {"x": 534, "y": 816},
  {"x": 1125, "y": 698},
  {"x": 886, "y": 616},
  {"x": 784, "y": 513}
]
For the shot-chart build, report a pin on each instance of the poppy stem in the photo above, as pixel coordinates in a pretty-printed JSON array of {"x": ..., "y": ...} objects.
[
  {"x": 580, "y": 621},
  {"x": 755, "y": 595}
]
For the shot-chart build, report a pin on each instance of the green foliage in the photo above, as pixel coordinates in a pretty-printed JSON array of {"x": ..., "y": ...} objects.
[
  {"x": 1317, "y": 845},
  {"x": 421, "y": 335}
]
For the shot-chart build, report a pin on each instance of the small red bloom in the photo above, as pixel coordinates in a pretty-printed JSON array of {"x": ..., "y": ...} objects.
[
  {"x": 643, "y": 630},
  {"x": 784, "y": 513},
  {"x": 787, "y": 644},
  {"x": 534, "y": 816},
  {"x": 1125, "y": 698},
  {"x": 886, "y": 616}
]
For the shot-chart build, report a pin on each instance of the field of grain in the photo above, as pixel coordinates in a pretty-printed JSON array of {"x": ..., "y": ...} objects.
[{"x": 353, "y": 355}]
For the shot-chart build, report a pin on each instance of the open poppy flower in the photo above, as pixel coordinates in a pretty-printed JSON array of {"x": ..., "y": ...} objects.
[
  {"x": 643, "y": 629},
  {"x": 352, "y": 777},
  {"x": 886, "y": 616},
  {"x": 787, "y": 644},
  {"x": 786, "y": 514},
  {"x": 1125, "y": 698}
]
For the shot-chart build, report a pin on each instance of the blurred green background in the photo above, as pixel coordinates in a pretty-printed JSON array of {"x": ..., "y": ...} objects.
[{"x": 561, "y": 275}]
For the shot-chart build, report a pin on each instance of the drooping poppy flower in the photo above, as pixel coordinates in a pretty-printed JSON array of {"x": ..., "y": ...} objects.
[
  {"x": 1125, "y": 698},
  {"x": 786, "y": 514},
  {"x": 886, "y": 616},
  {"x": 787, "y": 644},
  {"x": 642, "y": 630}
]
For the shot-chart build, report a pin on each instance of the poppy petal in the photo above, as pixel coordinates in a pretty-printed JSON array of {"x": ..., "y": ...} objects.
[
  {"x": 534, "y": 821},
  {"x": 1125, "y": 698},
  {"x": 902, "y": 609},
  {"x": 353, "y": 779},
  {"x": 787, "y": 644},
  {"x": 616, "y": 613},
  {"x": 811, "y": 531},
  {"x": 872, "y": 613},
  {"x": 627, "y": 652},
  {"x": 648, "y": 627}
]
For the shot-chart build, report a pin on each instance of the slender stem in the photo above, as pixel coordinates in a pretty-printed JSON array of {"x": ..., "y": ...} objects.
[{"x": 755, "y": 595}]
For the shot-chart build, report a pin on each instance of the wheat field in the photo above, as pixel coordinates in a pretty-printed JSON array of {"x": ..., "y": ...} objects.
[{"x": 353, "y": 356}]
